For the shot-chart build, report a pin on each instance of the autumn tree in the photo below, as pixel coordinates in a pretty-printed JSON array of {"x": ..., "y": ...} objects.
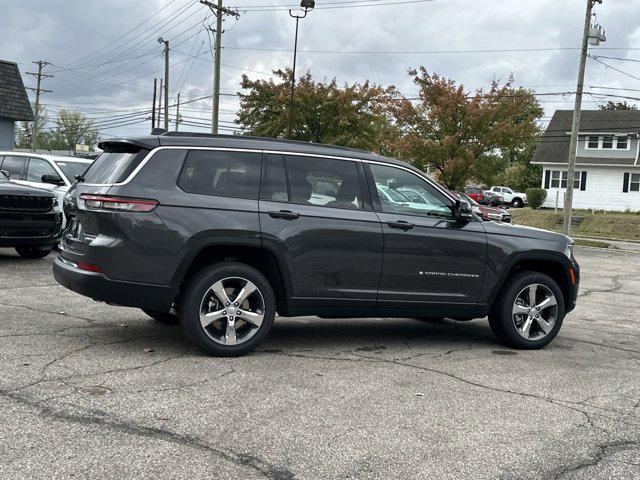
[
  {"x": 353, "y": 115},
  {"x": 460, "y": 135}
]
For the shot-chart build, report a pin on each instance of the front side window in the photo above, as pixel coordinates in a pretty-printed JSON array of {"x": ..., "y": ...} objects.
[
  {"x": 37, "y": 168},
  {"x": 622, "y": 142},
  {"x": 221, "y": 173},
  {"x": 323, "y": 182},
  {"x": 15, "y": 166},
  {"x": 607, "y": 142},
  {"x": 634, "y": 182},
  {"x": 391, "y": 185}
]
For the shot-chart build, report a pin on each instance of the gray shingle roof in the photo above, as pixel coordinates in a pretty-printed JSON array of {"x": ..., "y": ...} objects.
[
  {"x": 14, "y": 102},
  {"x": 554, "y": 145}
]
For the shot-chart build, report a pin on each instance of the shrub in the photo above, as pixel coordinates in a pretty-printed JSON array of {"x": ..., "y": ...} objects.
[{"x": 536, "y": 197}]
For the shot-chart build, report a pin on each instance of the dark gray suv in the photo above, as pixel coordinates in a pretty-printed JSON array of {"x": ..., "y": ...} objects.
[{"x": 223, "y": 231}]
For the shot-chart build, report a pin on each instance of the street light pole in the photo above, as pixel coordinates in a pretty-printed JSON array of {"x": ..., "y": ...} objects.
[
  {"x": 306, "y": 6},
  {"x": 575, "y": 127},
  {"x": 166, "y": 81}
]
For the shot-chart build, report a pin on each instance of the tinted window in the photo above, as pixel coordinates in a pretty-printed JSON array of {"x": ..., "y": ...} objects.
[
  {"x": 227, "y": 174},
  {"x": 274, "y": 183},
  {"x": 396, "y": 187},
  {"x": 114, "y": 167},
  {"x": 324, "y": 182},
  {"x": 37, "y": 168},
  {"x": 72, "y": 169},
  {"x": 15, "y": 166}
]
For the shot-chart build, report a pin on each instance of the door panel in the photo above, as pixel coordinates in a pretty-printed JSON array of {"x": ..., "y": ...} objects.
[
  {"x": 331, "y": 244},
  {"x": 430, "y": 259}
]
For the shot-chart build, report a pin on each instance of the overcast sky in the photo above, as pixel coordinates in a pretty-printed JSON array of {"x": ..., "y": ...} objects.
[{"x": 105, "y": 53}]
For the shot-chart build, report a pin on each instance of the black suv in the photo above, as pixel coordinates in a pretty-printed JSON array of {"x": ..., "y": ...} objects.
[
  {"x": 30, "y": 219},
  {"x": 228, "y": 230}
]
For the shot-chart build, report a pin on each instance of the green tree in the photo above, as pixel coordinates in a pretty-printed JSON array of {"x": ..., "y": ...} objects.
[
  {"x": 618, "y": 106},
  {"x": 24, "y": 130},
  {"x": 72, "y": 128},
  {"x": 353, "y": 116},
  {"x": 461, "y": 135}
]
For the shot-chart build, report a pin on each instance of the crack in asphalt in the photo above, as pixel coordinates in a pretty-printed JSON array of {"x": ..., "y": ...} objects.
[
  {"x": 617, "y": 285},
  {"x": 603, "y": 451},
  {"x": 104, "y": 420}
]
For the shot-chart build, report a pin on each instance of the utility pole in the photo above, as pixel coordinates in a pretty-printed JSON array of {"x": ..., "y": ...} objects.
[
  {"x": 153, "y": 105},
  {"x": 166, "y": 81},
  {"x": 160, "y": 104},
  {"x": 39, "y": 76},
  {"x": 178, "y": 112},
  {"x": 219, "y": 11},
  {"x": 575, "y": 127},
  {"x": 306, "y": 6}
]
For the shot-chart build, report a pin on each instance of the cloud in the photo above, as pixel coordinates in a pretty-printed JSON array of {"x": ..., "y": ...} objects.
[{"x": 105, "y": 54}]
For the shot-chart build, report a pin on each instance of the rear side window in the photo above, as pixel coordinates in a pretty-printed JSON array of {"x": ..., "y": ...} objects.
[
  {"x": 274, "y": 183},
  {"x": 115, "y": 166},
  {"x": 222, "y": 173},
  {"x": 323, "y": 182},
  {"x": 15, "y": 166}
]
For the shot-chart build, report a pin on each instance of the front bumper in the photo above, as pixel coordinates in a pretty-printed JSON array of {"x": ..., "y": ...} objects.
[
  {"x": 116, "y": 292},
  {"x": 574, "y": 286},
  {"x": 30, "y": 229}
]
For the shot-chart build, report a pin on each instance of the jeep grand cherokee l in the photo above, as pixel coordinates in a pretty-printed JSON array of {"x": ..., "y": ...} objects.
[
  {"x": 228, "y": 230},
  {"x": 30, "y": 219}
]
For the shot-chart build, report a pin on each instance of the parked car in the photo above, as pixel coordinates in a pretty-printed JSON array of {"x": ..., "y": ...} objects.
[
  {"x": 492, "y": 199},
  {"x": 30, "y": 218},
  {"x": 49, "y": 172},
  {"x": 475, "y": 192},
  {"x": 223, "y": 231},
  {"x": 511, "y": 197},
  {"x": 484, "y": 211}
]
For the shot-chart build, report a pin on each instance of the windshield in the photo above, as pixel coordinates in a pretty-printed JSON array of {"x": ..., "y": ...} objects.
[
  {"x": 3, "y": 177},
  {"x": 71, "y": 169}
]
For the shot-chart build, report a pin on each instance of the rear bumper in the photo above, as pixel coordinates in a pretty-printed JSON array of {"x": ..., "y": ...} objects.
[{"x": 117, "y": 292}]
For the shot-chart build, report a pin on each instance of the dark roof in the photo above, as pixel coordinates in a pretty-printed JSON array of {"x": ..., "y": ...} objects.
[
  {"x": 190, "y": 139},
  {"x": 14, "y": 102},
  {"x": 554, "y": 145}
]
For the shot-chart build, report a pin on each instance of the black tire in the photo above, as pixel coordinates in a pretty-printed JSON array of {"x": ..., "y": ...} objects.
[
  {"x": 167, "y": 318},
  {"x": 517, "y": 203},
  {"x": 33, "y": 252},
  {"x": 195, "y": 293},
  {"x": 501, "y": 318}
]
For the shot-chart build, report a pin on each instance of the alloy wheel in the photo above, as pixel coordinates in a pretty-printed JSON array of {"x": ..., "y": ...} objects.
[
  {"x": 232, "y": 311},
  {"x": 535, "y": 311}
]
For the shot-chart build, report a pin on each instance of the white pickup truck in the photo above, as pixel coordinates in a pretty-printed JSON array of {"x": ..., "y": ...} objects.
[{"x": 515, "y": 199}]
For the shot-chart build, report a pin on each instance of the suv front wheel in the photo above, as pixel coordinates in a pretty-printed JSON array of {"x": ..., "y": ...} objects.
[
  {"x": 228, "y": 309},
  {"x": 530, "y": 312}
]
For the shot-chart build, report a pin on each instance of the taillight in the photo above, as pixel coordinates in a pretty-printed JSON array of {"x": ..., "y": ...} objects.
[
  {"x": 87, "y": 267},
  {"x": 101, "y": 202}
]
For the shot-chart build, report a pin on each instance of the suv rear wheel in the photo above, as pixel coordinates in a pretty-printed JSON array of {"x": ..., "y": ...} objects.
[
  {"x": 530, "y": 313},
  {"x": 33, "y": 252},
  {"x": 228, "y": 309}
]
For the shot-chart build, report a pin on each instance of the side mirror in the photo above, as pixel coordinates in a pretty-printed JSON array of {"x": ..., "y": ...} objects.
[
  {"x": 53, "y": 179},
  {"x": 6, "y": 174},
  {"x": 461, "y": 210}
]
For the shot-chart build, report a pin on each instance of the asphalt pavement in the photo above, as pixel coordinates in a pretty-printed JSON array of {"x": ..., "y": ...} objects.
[{"x": 89, "y": 390}]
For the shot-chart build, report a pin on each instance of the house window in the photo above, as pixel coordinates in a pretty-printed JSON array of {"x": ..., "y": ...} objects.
[
  {"x": 607, "y": 142},
  {"x": 622, "y": 142},
  {"x": 634, "y": 182},
  {"x": 593, "y": 142},
  {"x": 559, "y": 179}
]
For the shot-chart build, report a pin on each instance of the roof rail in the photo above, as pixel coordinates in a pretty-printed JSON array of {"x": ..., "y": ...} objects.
[{"x": 254, "y": 138}]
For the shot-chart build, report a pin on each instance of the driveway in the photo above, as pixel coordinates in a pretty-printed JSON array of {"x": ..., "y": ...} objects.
[{"x": 94, "y": 391}]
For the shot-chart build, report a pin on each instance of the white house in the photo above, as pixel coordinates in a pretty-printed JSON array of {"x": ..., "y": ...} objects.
[{"x": 608, "y": 160}]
